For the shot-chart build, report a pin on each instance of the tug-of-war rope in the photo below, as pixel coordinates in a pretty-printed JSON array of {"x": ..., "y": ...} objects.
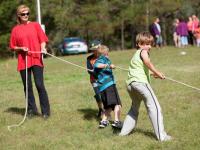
[{"x": 73, "y": 64}]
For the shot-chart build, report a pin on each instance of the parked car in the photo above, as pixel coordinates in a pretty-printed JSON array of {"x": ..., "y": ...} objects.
[{"x": 73, "y": 45}]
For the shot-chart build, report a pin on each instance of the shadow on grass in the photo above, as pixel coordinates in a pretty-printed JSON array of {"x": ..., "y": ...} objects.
[
  {"x": 145, "y": 132},
  {"x": 89, "y": 114},
  {"x": 116, "y": 130},
  {"x": 16, "y": 110}
]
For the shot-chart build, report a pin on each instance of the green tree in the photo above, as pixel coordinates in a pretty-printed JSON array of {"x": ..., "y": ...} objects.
[
  {"x": 7, "y": 21},
  {"x": 115, "y": 22}
]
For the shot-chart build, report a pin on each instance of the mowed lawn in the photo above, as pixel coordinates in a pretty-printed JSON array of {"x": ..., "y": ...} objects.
[{"x": 73, "y": 123}]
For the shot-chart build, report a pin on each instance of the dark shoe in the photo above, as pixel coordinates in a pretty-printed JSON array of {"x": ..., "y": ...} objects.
[
  {"x": 32, "y": 114},
  {"x": 117, "y": 124},
  {"x": 45, "y": 117}
]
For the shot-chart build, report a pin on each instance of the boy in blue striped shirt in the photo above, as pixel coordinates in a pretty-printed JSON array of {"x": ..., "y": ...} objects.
[{"x": 108, "y": 91}]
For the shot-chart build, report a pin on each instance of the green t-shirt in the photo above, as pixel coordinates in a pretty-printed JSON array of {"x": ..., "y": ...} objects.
[{"x": 138, "y": 71}]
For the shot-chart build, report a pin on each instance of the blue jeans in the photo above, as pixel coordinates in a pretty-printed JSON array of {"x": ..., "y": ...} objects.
[
  {"x": 159, "y": 40},
  {"x": 184, "y": 40}
]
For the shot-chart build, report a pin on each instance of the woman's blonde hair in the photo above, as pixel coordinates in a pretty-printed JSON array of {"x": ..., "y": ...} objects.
[
  {"x": 144, "y": 38},
  {"x": 20, "y": 9},
  {"x": 102, "y": 49}
]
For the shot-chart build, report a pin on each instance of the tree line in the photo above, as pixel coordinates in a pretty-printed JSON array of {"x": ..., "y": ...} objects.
[{"x": 114, "y": 22}]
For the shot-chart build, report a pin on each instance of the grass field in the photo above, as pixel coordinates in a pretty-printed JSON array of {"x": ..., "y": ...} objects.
[{"x": 73, "y": 123}]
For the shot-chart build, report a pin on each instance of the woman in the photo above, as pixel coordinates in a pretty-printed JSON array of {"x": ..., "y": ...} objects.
[
  {"x": 190, "y": 30},
  {"x": 182, "y": 31},
  {"x": 176, "y": 37},
  {"x": 28, "y": 39}
]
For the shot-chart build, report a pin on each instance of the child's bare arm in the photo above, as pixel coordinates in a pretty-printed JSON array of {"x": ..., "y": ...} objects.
[
  {"x": 101, "y": 65},
  {"x": 106, "y": 66},
  {"x": 147, "y": 62}
]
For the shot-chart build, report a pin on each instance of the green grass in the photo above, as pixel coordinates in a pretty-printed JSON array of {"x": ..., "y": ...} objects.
[{"x": 73, "y": 124}]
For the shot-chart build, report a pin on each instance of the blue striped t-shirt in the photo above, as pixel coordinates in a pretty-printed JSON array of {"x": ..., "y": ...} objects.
[{"x": 105, "y": 76}]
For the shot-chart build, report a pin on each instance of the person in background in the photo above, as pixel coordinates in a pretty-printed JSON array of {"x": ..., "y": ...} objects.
[
  {"x": 195, "y": 24},
  {"x": 28, "y": 40},
  {"x": 176, "y": 37},
  {"x": 190, "y": 30},
  {"x": 182, "y": 31},
  {"x": 91, "y": 59},
  {"x": 139, "y": 89},
  {"x": 197, "y": 35},
  {"x": 155, "y": 30},
  {"x": 107, "y": 87}
]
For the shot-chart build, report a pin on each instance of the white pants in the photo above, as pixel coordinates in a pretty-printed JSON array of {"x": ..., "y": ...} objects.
[
  {"x": 198, "y": 42},
  {"x": 138, "y": 92}
]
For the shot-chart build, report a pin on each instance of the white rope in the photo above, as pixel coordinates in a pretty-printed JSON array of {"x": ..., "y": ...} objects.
[
  {"x": 195, "y": 88},
  {"x": 121, "y": 68},
  {"x": 124, "y": 70},
  {"x": 68, "y": 62},
  {"x": 168, "y": 78},
  {"x": 26, "y": 99}
]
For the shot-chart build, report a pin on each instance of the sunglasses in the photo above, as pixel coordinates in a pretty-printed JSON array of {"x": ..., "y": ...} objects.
[{"x": 24, "y": 14}]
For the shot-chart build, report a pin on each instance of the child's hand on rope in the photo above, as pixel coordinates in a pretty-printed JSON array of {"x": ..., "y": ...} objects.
[
  {"x": 112, "y": 66},
  {"x": 159, "y": 75}
]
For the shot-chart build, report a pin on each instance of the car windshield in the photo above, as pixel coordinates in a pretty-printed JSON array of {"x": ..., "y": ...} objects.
[{"x": 73, "y": 40}]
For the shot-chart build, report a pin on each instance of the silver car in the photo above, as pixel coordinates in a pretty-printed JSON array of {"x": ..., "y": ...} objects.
[{"x": 73, "y": 45}]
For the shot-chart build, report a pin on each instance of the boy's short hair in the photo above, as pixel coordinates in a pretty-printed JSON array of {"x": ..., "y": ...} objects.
[
  {"x": 102, "y": 50},
  {"x": 144, "y": 38}
]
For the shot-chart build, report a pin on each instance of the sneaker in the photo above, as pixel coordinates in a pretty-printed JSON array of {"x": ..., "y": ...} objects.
[
  {"x": 117, "y": 124},
  {"x": 167, "y": 138},
  {"x": 103, "y": 124}
]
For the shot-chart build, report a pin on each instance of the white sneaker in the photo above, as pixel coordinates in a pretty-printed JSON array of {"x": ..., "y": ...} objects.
[
  {"x": 103, "y": 123},
  {"x": 167, "y": 138}
]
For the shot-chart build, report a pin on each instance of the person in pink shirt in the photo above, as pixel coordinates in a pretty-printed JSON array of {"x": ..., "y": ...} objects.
[
  {"x": 197, "y": 35},
  {"x": 195, "y": 24},
  {"x": 195, "y": 21},
  {"x": 28, "y": 39}
]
